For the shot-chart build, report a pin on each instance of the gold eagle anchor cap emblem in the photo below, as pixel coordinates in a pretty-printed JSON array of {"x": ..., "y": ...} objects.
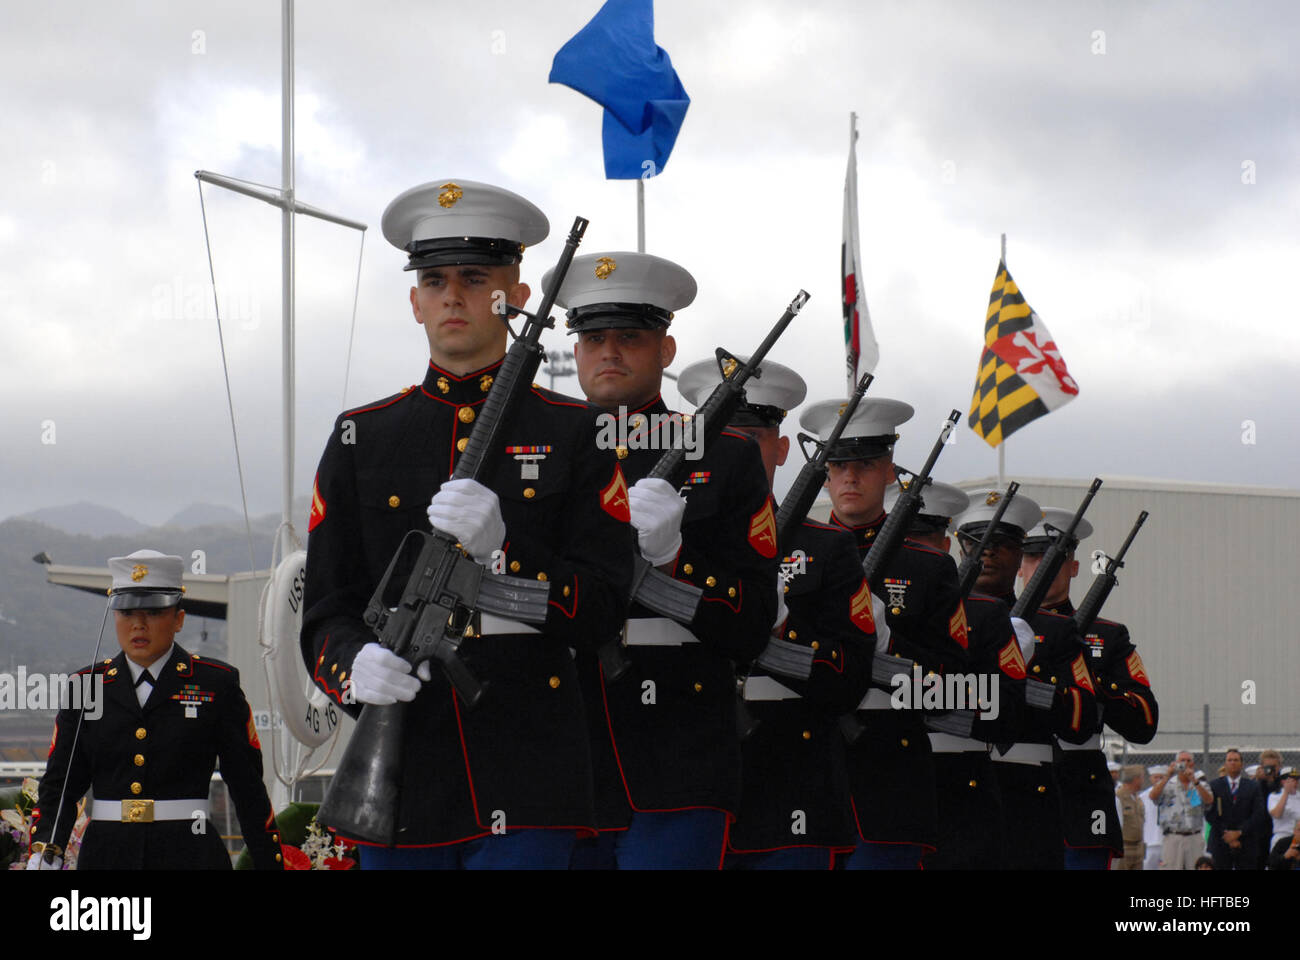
[
  {"x": 139, "y": 572},
  {"x": 604, "y": 267},
  {"x": 449, "y": 195},
  {"x": 992, "y": 498}
]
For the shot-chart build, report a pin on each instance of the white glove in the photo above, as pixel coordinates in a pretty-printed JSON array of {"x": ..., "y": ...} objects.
[
  {"x": 37, "y": 862},
  {"x": 471, "y": 513},
  {"x": 782, "y": 611},
  {"x": 657, "y": 515},
  {"x": 882, "y": 625},
  {"x": 1025, "y": 636},
  {"x": 381, "y": 676}
]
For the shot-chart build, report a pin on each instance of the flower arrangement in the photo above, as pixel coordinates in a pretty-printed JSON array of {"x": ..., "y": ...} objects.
[
  {"x": 304, "y": 844},
  {"x": 16, "y": 807}
]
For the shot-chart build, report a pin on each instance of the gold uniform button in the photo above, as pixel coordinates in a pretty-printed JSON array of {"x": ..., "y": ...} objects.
[
  {"x": 136, "y": 787},
  {"x": 815, "y": 644},
  {"x": 180, "y": 667},
  {"x": 462, "y": 443},
  {"x": 514, "y": 566},
  {"x": 1114, "y": 686},
  {"x": 394, "y": 501},
  {"x": 109, "y": 660},
  {"x": 834, "y": 654},
  {"x": 1092, "y": 776},
  {"x": 896, "y": 610},
  {"x": 275, "y": 837},
  {"x": 807, "y": 734},
  {"x": 343, "y": 676},
  {"x": 140, "y": 733},
  {"x": 1042, "y": 789},
  {"x": 542, "y": 576},
  {"x": 320, "y": 659},
  {"x": 529, "y": 493},
  {"x": 687, "y": 569},
  {"x": 787, "y": 588},
  {"x": 972, "y": 784},
  {"x": 1053, "y": 679},
  {"x": 1036, "y": 669},
  {"x": 334, "y": 668},
  {"x": 621, "y": 452},
  {"x": 278, "y": 858},
  {"x": 113, "y": 672},
  {"x": 566, "y": 591},
  {"x": 710, "y": 581},
  {"x": 731, "y": 591},
  {"x": 466, "y": 414},
  {"x": 793, "y": 635},
  {"x": 699, "y": 687},
  {"x": 903, "y": 741},
  {"x": 554, "y": 682},
  {"x": 139, "y": 759}
]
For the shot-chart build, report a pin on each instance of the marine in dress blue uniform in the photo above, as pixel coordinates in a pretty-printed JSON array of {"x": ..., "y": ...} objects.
[
  {"x": 664, "y": 737},
  {"x": 509, "y": 782},
  {"x": 1049, "y": 651},
  {"x": 1124, "y": 699},
  {"x": 795, "y": 809},
  {"x": 167, "y": 718},
  {"x": 891, "y": 767}
]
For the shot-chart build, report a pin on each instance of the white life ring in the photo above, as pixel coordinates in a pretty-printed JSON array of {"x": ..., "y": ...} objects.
[{"x": 311, "y": 716}]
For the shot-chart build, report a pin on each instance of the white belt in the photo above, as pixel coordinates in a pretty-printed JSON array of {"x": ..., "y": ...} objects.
[
  {"x": 1029, "y": 753},
  {"x": 656, "y": 632},
  {"x": 765, "y": 688},
  {"x": 1092, "y": 743},
  {"x": 876, "y": 700},
  {"x": 947, "y": 743},
  {"x": 490, "y": 625},
  {"x": 147, "y": 811}
]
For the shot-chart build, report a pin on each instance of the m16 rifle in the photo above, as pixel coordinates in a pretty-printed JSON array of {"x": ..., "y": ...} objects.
[{"x": 1090, "y": 608}]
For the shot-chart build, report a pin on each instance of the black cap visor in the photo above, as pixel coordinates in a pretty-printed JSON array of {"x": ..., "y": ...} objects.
[
  {"x": 617, "y": 316},
  {"x": 136, "y": 599},
  {"x": 463, "y": 251}
]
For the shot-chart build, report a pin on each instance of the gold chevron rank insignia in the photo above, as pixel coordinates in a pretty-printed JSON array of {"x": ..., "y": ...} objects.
[
  {"x": 860, "y": 609},
  {"x": 762, "y": 531}
]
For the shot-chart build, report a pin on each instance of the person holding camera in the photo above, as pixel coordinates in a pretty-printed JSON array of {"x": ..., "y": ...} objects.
[
  {"x": 1285, "y": 811},
  {"x": 1181, "y": 800}
]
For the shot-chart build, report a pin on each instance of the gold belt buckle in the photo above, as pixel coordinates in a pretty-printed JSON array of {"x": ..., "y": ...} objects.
[{"x": 137, "y": 811}]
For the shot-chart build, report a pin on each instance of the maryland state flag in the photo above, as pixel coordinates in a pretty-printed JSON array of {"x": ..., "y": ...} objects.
[{"x": 1022, "y": 375}]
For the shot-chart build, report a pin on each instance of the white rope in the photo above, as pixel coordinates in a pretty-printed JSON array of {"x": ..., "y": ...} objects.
[
  {"x": 225, "y": 370},
  {"x": 347, "y": 368}
]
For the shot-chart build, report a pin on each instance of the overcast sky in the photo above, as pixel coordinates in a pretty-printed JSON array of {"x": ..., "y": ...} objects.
[{"x": 1142, "y": 160}]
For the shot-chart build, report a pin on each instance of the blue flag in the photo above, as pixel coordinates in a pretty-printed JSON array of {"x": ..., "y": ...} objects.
[{"x": 615, "y": 61}]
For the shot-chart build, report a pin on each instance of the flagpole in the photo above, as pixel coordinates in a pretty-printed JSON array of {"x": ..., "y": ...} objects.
[
  {"x": 640, "y": 215},
  {"x": 1002, "y": 447}
]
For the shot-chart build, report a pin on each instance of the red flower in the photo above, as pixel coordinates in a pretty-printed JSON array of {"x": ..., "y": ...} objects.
[
  {"x": 334, "y": 863},
  {"x": 294, "y": 859}
]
